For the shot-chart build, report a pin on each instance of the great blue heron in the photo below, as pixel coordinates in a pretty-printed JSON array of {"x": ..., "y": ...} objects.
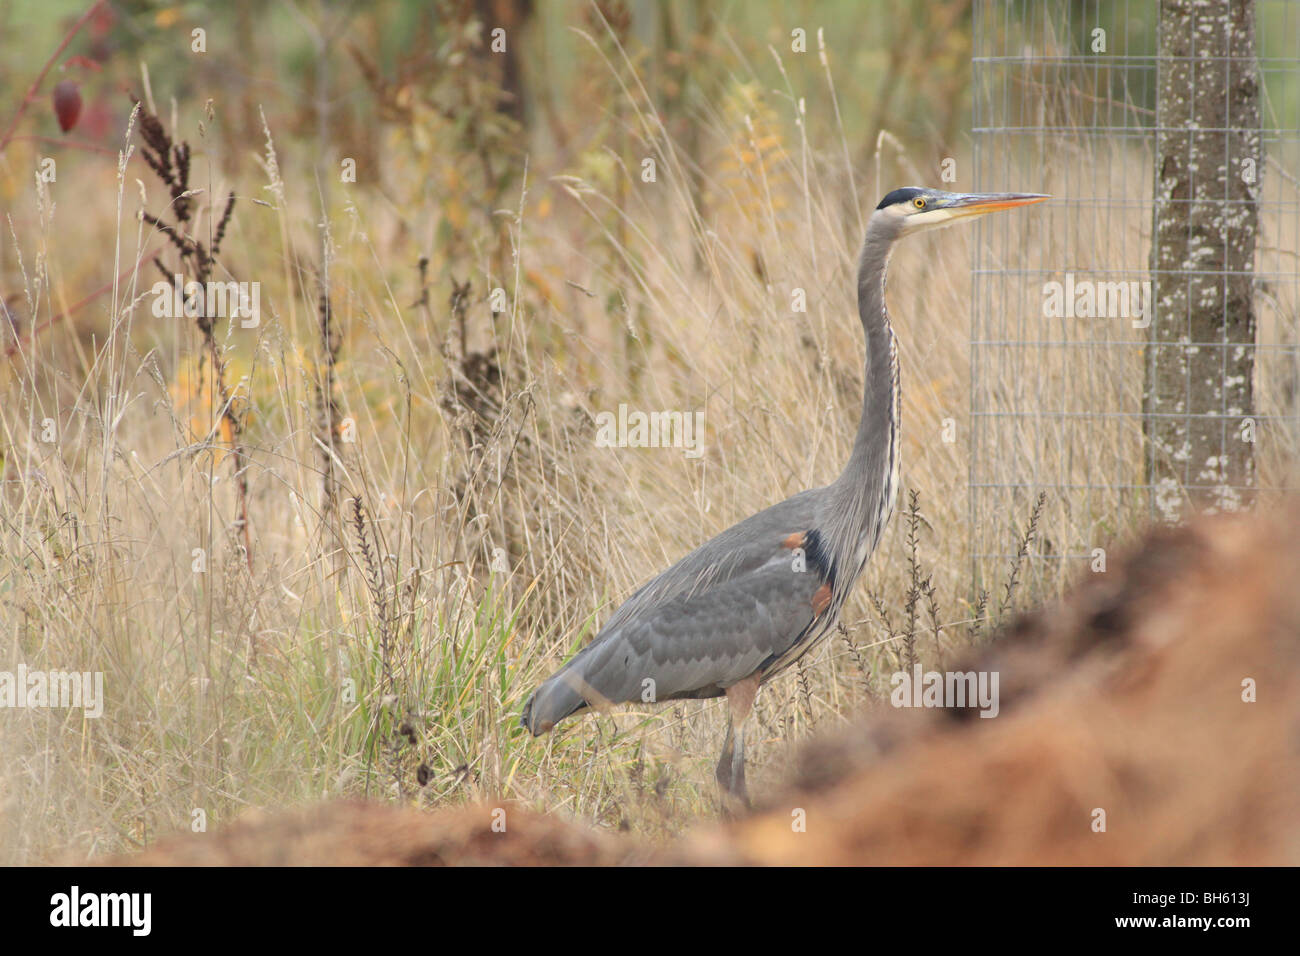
[{"x": 744, "y": 606}]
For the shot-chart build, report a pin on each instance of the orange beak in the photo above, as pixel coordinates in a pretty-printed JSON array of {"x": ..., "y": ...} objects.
[{"x": 974, "y": 204}]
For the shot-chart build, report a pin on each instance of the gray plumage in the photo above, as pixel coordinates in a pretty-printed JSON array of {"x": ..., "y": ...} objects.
[{"x": 752, "y": 600}]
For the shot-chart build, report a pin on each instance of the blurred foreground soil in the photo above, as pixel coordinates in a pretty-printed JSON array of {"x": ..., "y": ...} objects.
[{"x": 1126, "y": 698}]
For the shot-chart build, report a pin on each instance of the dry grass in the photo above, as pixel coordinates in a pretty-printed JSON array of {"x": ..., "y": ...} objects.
[{"x": 399, "y": 430}]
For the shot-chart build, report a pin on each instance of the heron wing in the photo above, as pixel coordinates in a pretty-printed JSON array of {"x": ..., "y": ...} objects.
[
  {"x": 742, "y": 599},
  {"x": 742, "y": 549}
]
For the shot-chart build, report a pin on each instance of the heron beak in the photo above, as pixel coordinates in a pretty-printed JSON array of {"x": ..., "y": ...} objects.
[{"x": 976, "y": 204}]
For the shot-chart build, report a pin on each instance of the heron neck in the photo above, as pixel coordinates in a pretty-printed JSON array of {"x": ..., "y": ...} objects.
[{"x": 865, "y": 490}]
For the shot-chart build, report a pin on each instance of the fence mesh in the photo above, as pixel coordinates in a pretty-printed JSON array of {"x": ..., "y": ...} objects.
[{"x": 1061, "y": 299}]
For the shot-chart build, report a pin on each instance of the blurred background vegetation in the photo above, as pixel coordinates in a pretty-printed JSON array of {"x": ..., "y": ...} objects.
[{"x": 393, "y": 481}]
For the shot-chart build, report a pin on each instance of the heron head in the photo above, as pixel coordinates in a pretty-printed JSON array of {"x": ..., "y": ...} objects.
[{"x": 917, "y": 208}]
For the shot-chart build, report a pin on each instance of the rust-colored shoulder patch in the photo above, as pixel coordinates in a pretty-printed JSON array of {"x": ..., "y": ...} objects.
[
  {"x": 821, "y": 600},
  {"x": 794, "y": 541}
]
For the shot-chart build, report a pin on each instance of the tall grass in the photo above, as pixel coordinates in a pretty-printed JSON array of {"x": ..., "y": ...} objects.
[{"x": 431, "y": 526}]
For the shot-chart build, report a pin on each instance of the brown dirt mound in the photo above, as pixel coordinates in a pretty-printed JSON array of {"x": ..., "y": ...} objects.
[
  {"x": 1126, "y": 698},
  {"x": 356, "y": 833}
]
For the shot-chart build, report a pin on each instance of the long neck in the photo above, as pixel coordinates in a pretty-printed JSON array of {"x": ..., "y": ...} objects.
[{"x": 862, "y": 498}]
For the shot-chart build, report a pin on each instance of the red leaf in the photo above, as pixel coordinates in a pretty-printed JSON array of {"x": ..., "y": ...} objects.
[{"x": 67, "y": 104}]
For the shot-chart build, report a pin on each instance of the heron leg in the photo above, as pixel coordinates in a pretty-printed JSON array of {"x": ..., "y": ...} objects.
[
  {"x": 731, "y": 765},
  {"x": 723, "y": 773},
  {"x": 738, "y": 768}
]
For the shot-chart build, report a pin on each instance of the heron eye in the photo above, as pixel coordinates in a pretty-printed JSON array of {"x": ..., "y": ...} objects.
[{"x": 918, "y": 202}]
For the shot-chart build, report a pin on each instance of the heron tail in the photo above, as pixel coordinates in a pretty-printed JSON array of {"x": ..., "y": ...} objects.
[{"x": 554, "y": 700}]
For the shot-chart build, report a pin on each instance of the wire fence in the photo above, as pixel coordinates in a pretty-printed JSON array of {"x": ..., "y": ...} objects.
[{"x": 1063, "y": 340}]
